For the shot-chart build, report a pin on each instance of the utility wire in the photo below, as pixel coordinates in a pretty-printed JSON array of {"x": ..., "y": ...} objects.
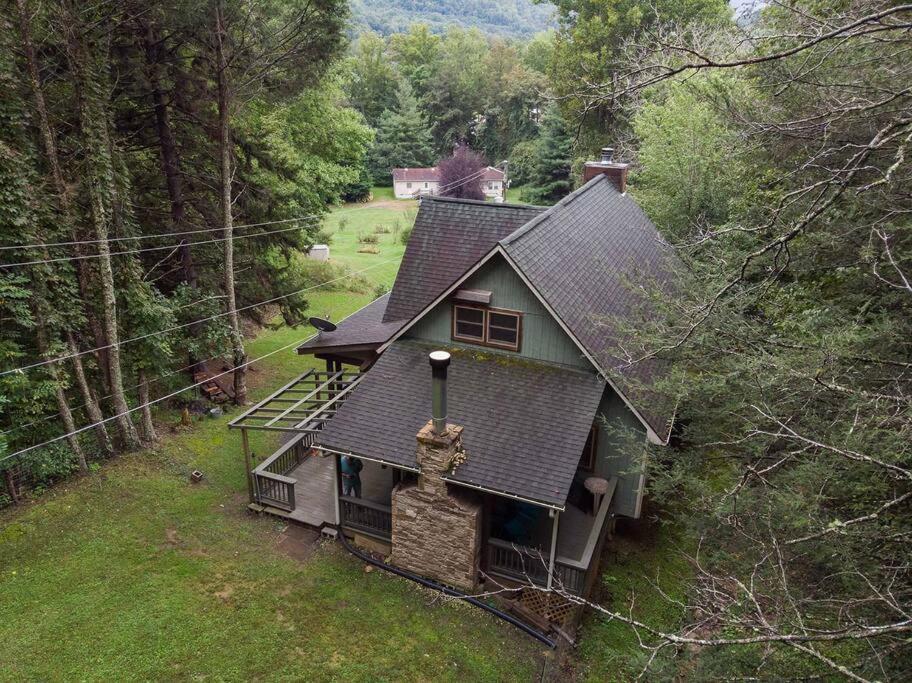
[
  {"x": 52, "y": 416},
  {"x": 144, "y": 405},
  {"x": 308, "y": 217},
  {"x": 146, "y": 249},
  {"x": 151, "y": 237},
  {"x": 173, "y": 328}
]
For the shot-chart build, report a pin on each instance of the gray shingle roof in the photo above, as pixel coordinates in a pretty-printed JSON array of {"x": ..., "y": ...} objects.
[
  {"x": 587, "y": 256},
  {"x": 525, "y": 423},
  {"x": 365, "y": 326},
  {"x": 449, "y": 237}
]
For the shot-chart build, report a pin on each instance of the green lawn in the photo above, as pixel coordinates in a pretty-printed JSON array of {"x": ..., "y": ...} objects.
[{"x": 352, "y": 221}]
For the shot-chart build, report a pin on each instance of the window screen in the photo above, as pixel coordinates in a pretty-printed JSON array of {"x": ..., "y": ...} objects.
[
  {"x": 468, "y": 323},
  {"x": 503, "y": 329}
]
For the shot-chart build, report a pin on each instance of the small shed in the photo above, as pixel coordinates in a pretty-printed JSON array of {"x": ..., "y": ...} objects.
[{"x": 319, "y": 252}]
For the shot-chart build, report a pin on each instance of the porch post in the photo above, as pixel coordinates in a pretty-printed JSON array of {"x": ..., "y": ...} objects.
[
  {"x": 247, "y": 466},
  {"x": 555, "y": 515},
  {"x": 337, "y": 485}
]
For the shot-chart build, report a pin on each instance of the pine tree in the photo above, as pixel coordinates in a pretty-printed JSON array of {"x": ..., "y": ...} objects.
[
  {"x": 403, "y": 138},
  {"x": 551, "y": 179}
]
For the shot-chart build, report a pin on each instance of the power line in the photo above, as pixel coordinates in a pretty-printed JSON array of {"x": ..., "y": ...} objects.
[
  {"x": 52, "y": 416},
  {"x": 173, "y": 328},
  {"x": 150, "y": 237},
  {"x": 145, "y": 249},
  {"x": 144, "y": 405}
]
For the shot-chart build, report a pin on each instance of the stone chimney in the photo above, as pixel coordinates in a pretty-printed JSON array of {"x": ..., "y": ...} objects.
[
  {"x": 436, "y": 530},
  {"x": 615, "y": 170}
]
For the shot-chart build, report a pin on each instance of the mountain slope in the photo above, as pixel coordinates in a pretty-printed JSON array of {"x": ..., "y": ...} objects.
[{"x": 513, "y": 18}]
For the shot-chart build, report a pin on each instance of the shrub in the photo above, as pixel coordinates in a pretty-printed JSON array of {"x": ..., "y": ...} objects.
[
  {"x": 367, "y": 238},
  {"x": 406, "y": 234},
  {"x": 323, "y": 237},
  {"x": 343, "y": 223},
  {"x": 381, "y": 230},
  {"x": 368, "y": 249}
]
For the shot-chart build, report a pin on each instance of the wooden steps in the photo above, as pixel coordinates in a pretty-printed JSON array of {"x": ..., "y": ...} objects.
[{"x": 210, "y": 387}]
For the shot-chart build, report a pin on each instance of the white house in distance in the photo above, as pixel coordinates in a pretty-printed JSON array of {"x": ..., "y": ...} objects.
[{"x": 409, "y": 183}]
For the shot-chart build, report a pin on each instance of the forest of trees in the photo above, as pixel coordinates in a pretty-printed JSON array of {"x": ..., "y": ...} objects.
[
  {"x": 772, "y": 154},
  {"x": 136, "y": 139}
]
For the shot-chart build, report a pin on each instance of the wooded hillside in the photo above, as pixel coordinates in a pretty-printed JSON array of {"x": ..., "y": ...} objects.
[{"x": 516, "y": 18}]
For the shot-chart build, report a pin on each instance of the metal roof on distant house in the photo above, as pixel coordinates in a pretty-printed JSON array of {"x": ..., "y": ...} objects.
[
  {"x": 525, "y": 423},
  {"x": 432, "y": 174},
  {"x": 449, "y": 237}
]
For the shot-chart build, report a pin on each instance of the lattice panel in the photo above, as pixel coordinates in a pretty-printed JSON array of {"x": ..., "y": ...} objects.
[{"x": 549, "y": 606}]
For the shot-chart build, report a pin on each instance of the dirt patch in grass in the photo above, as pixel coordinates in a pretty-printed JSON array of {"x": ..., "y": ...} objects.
[{"x": 298, "y": 542}]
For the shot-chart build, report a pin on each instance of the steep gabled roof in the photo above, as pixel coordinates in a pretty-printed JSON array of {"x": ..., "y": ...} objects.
[
  {"x": 525, "y": 423},
  {"x": 449, "y": 237},
  {"x": 591, "y": 258}
]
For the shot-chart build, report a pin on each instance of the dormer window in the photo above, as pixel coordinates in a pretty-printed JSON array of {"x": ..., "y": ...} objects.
[{"x": 487, "y": 326}]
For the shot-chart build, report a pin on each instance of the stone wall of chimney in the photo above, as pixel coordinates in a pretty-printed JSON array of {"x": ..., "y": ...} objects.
[{"x": 437, "y": 530}]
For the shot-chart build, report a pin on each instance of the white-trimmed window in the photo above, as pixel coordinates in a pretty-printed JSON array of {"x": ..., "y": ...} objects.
[
  {"x": 487, "y": 326},
  {"x": 408, "y": 186}
]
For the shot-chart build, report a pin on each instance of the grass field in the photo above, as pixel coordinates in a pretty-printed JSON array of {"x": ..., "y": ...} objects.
[{"x": 387, "y": 219}]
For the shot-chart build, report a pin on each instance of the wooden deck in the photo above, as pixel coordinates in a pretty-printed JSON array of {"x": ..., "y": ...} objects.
[{"x": 315, "y": 484}]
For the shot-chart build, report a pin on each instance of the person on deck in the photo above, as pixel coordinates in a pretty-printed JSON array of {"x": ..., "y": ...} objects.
[{"x": 351, "y": 476}]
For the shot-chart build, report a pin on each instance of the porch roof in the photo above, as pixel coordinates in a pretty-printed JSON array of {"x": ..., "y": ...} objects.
[
  {"x": 363, "y": 328},
  {"x": 525, "y": 423}
]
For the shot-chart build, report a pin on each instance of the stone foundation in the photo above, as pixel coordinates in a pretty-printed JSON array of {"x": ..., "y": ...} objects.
[{"x": 436, "y": 531}]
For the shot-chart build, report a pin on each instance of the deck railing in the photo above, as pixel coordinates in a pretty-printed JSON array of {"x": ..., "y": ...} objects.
[
  {"x": 366, "y": 516},
  {"x": 524, "y": 564},
  {"x": 271, "y": 485}
]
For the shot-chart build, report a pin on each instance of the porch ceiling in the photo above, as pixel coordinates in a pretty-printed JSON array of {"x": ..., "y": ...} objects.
[{"x": 302, "y": 405}]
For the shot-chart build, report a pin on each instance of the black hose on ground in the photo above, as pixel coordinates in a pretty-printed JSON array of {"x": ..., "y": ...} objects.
[{"x": 427, "y": 583}]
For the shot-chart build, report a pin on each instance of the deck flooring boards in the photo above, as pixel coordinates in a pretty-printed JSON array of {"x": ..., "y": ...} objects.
[{"x": 315, "y": 484}]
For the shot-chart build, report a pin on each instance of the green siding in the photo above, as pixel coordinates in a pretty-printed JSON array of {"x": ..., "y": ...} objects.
[
  {"x": 620, "y": 450},
  {"x": 621, "y": 439},
  {"x": 542, "y": 337}
]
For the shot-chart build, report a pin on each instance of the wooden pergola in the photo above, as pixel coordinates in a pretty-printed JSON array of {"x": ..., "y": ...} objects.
[{"x": 302, "y": 406}]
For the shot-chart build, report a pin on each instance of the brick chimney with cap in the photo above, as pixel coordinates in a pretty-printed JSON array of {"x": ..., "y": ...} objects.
[{"x": 615, "y": 170}]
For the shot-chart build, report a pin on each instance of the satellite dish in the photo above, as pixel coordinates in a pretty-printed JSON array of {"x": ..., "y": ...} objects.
[{"x": 322, "y": 324}]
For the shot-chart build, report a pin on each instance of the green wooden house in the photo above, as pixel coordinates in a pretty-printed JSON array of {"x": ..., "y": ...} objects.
[{"x": 547, "y": 419}]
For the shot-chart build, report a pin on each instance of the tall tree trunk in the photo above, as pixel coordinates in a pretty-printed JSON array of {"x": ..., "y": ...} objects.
[
  {"x": 63, "y": 191},
  {"x": 63, "y": 406},
  {"x": 91, "y": 94},
  {"x": 167, "y": 144},
  {"x": 91, "y": 405},
  {"x": 225, "y": 168},
  {"x": 146, "y": 425}
]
